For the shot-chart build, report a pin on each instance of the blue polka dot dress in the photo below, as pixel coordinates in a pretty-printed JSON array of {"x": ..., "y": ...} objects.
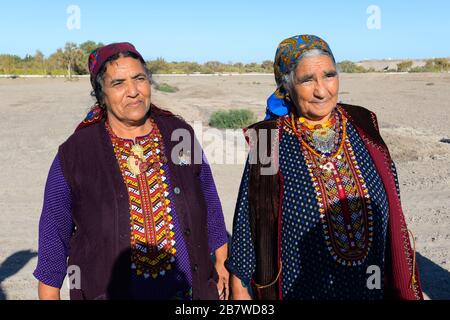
[{"x": 333, "y": 224}]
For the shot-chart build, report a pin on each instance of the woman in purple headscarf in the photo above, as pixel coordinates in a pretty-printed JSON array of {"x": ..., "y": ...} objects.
[
  {"x": 323, "y": 218},
  {"x": 128, "y": 212}
]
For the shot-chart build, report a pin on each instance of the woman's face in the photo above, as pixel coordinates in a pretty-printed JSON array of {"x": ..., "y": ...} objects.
[
  {"x": 316, "y": 87},
  {"x": 127, "y": 90}
]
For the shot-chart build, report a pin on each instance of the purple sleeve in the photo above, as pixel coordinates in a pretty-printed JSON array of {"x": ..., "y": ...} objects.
[
  {"x": 55, "y": 229},
  {"x": 217, "y": 232}
]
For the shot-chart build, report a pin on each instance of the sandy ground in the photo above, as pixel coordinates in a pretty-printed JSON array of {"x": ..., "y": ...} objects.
[{"x": 413, "y": 111}]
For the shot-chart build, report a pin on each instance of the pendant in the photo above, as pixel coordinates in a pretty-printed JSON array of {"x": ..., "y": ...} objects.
[
  {"x": 324, "y": 139},
  {"x": 138, "y": 150},
  {"x": 133, "y": 165}
]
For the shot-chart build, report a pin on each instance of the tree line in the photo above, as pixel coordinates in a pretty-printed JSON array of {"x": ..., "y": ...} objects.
[{"x": 72, "y": 60}]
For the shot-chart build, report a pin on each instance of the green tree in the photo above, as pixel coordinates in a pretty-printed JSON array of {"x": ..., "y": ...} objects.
[
  {"x": 214, "y": 66},
  {"x": 438, "y": 65},
  {"x": 404, "y": 66},
  {"x": 70, "y": 58},
  {"x": 10, "y": 63},
  {"x": 39, "y": 62},
  {"x": 350, "y": 67},
  {"x": 252, "y": 67},
  {"x": 267, "y": 65},
  {"x": 158, "y": 66},
  {"x": 88, "y": 46},
  {"x": 187, "y": 67}
]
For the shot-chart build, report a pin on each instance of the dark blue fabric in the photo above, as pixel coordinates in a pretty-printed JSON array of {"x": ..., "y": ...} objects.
[{"x": 309, "y": 271}]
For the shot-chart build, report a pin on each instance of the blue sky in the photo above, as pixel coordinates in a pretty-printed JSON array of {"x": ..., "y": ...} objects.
[{"x": 230, "y": 30}]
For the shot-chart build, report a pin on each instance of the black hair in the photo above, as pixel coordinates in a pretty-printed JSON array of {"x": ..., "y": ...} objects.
[{"x": 97, "y": 91}]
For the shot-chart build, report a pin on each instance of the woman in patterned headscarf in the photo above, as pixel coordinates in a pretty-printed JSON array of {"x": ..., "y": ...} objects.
[
  {"x": 322, "y": 219},
  {"x": 136, "y": 214}
]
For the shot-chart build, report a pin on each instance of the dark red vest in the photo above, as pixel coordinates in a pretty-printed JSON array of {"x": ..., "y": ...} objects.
[{"x": 100, "y": 246}]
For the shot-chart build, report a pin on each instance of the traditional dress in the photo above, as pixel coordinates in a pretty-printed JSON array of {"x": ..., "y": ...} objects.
[
  {"x": 130, "y": 219},
  {"x": 159, "y": 259},
  {"x": 328, "y": 225}
]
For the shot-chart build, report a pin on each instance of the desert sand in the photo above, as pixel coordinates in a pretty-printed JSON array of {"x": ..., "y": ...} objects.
[{"x": 413, "y": 110}]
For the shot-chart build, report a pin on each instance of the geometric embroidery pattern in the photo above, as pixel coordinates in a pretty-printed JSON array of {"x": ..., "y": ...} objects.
[
  {"x": 344, "y": 202},
  {"x": 153, "y": 248},
  {"x": 310, "y": 271}
]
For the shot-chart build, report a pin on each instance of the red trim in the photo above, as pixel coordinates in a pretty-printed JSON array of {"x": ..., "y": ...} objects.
[{"x": 398, "y": 237}]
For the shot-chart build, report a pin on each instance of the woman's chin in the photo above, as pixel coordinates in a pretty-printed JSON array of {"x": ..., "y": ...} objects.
[
  {"x": 318, "y": 116},
  {"x": 137, "y": 114},
  {"x": 322, "y": 111}
]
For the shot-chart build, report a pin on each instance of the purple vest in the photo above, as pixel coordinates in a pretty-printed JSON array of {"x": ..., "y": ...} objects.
[{"x": 100, "y": 245}]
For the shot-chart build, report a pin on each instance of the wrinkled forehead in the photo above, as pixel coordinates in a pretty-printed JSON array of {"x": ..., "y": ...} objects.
[
  {"x": 124, "y": 67},
  {"x": 317, "y": 63}
]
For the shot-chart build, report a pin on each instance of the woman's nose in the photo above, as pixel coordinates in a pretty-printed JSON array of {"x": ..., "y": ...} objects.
[
  {"x": 132, "y": 90},
  {"x": 320, "y": 90}
]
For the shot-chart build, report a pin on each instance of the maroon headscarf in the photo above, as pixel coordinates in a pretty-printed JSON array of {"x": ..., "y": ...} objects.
[{"x": 99, "y": 56}]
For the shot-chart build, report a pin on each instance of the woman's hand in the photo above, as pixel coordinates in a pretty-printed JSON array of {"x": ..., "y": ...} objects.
[
  {"x": 46, "y": 292},
  {"x": 224, "y": 275},
  {"x": 239, "y": 291}
]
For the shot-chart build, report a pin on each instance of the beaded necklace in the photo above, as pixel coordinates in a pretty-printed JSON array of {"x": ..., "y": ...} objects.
[
  {"x": 138, "y": 164},
  {"x": 323, "y": 140},
  {"x": 345, "y": 206}
]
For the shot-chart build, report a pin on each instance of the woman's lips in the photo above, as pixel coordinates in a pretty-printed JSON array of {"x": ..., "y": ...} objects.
[
  {"x": 134, "y": 104},
  {"x": 321, "y": 103}
]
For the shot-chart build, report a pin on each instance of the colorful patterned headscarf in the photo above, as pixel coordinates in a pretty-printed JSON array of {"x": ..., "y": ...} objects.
[{"x": 289, "y": 52}]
